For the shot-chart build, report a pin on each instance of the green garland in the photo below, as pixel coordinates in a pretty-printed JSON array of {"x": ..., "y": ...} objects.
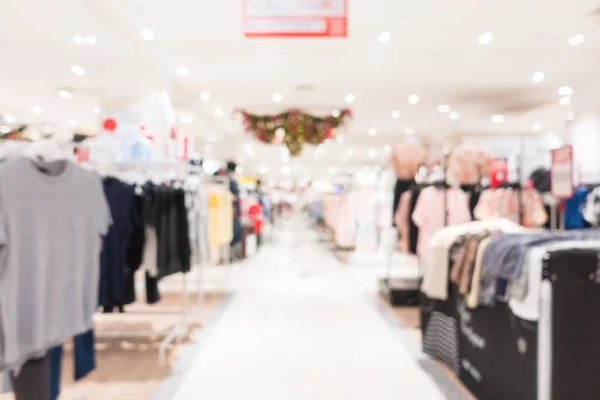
[{"x": 294, "y": 128}]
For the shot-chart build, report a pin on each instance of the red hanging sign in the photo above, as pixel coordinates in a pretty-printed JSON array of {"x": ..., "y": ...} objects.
[
  {"x": 109, "y": 125},
  {"x": 561, "y": 173}
]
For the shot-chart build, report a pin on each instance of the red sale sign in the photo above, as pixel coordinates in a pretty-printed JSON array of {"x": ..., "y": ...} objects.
[{"x": 295, "y": 18}]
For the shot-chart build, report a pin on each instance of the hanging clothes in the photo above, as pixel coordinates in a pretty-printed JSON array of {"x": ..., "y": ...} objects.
[
  {"x": 53, "y": 216},
  {"x": 573, "y": 209},
  {"x": 522, "y": 206},
  {"x": 431, "y": 210}
]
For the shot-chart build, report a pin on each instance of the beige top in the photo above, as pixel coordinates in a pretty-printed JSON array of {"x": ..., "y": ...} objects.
[{"x": 407, "y": 158}]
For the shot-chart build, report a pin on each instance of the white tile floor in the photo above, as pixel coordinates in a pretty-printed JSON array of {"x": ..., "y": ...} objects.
[{"x": 300, "y": 328}]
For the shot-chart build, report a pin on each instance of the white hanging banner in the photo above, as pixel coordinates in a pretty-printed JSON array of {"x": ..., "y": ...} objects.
[
  {"x": 561, "y": 173},
  {"x": 295, "y": 18}
]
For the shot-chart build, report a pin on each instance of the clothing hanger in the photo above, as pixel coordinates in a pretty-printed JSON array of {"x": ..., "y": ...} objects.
[{"x": 46, "y": 150}]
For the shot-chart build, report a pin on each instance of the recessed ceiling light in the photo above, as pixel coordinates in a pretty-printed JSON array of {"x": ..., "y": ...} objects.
[
  {"x": 396, "y": 114},
  {"x": 204, "y": 96},
  {"x": 373, "y": 153},
  {"x": 218, "y": 112},
  {"x": 409, "y": 130},
  {"x": 387, "y": 148},
  {"x": 186, "y": 119},
  {"x": 350, "y": 98},
  {"x": 64, "y": 94},
  {"x": 72, "y": 122},
  {"x": 385, "y": 37},
  {"x": 78, "y": 70},
  {"x": 413, "y": 99},
  {"x": 332, "y": 170},
  {"x": 444, "y": 108},
  {"x": 183, "y": 72},
  {"x": 485, "y": 38},
  {"x": 454, "y": 115},
  {"x": 4, "y": 129},
  {"x": 277, "y": 97},
  {"x": 537, "y": 127},
  {"x": 96, "y": 110},
  {"x": 263, "y": 169},
  {"x": 78, "y": 39},
  {"x": 10, "y": 119},
  {"x": 372, "y": 132},
  {"x": 565, "y": 101},
  {"x": 335, "y": 113},
  {"x": 538, "y": 77},
  {"x": 148, "y": 34},
  {"x": 576, "y": 40},
  {"x": 89, "y": 40},
  {"x": 497, "y": 119},
  {"x": 565, "y": 91},
  {"x": 570, "y": 117},
  {"x": 36, "y": 109}
]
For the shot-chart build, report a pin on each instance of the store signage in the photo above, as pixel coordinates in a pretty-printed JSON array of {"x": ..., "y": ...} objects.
[
  {"x": 561, "y": 173},
  {"x": 295, "y": 18}
]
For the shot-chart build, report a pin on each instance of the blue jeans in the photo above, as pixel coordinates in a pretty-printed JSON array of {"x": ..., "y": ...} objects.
[{"x": 84, "y": 357}]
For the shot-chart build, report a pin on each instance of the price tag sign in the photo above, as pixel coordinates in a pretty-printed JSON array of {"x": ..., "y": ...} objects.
[{"x": 561, "y": 173}]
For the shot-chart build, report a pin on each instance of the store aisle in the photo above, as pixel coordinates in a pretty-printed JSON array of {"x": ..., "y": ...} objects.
[{"x": 299, "y": 328}]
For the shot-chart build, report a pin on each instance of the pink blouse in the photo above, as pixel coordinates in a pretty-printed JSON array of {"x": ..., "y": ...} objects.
[
  {"x": 429, "y": 214},
  {"x": 504, "y": 203}
]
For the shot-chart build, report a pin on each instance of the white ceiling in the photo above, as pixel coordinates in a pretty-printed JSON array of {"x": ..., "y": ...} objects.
[{"x": 433, "y": 52}]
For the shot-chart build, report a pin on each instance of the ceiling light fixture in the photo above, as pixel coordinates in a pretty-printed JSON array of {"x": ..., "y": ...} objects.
[
  {"x": 186, "y": 119},
  {"x": 335, "y": 113},
  {"x": 444, "y": 108},
  {"x": 454, "y": 115},
  {"x": 277, "y": 97},
  {"x": 72, "y": 122},
  {"x": 64, "y": 94},
  {"x": 537, "y": 127},
  {"x": 565, "y": 91},
  {"x": 148, "y": 34},
  {"x": 409, "y": 130},
  {"x": 96, "y": 110},
  {"x": 78, "y": 39},
  {"x": 577, "y": 39},
  {"x": 219, "y": 112},
  {"x": 204, "y": 96},
  {"x": 485, "y": 38},
  {"x": 36, "y": 109},
  {"x": 90, "y": 40},
  {"x": 413, "y": 99},
  {"x": 350, "y": 98},
  {"x": 565, "y": 101},
  {"x": 372, "y": 132},
  {"x": 396, "y": 114},
  {"x": 183, "y": 72},
  {"x": 570, "y": 117},
  {"x": 373, "y": 153},
  {"x": 538, "y": 77},
  {"x": 387, "y": 148},
  {"x": 10, "y": 119},
  {"x": 385, "y": 37},
  {"x": 78, "y": 70},
  {"x": 263, "y": 169},
  {"x": 497, "y": 119}
]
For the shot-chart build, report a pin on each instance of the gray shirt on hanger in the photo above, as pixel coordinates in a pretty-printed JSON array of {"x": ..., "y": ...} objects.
[{"x": 52, "y": 219}]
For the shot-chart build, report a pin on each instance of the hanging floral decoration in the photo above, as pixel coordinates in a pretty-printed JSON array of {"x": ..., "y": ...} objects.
[
  {"x": 294, "y": 128},
  {"x": 15, "y": 133}
]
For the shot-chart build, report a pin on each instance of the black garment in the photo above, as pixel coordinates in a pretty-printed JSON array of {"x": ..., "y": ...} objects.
[
  {"x": 402, "y": 185},
  {"x": 172, "y": 230},
  {"x": 413, "y": 229},
  {"x": 474, "y": 195},
  {"x": 135, "y": 248},
  {"x": 575, "y": 324},
  {"x": 113, "y": 262},
  {"x": 33, "y": 380}
]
